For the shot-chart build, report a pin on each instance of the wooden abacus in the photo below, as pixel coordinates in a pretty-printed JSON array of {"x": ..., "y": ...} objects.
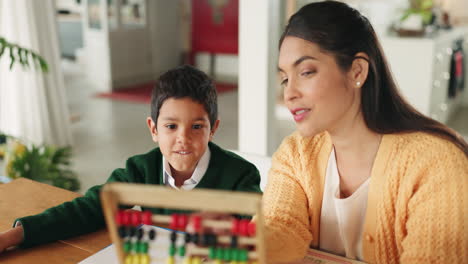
[{"x": 217, "y": 248}]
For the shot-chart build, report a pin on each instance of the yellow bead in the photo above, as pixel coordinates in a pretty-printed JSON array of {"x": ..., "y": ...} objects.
[
  {"x": 188, "y": 260},
  {"x": 254, "y": 262},
  {"x": 135, "y": 259},
  {"x": 233, "y": 262},
  {"x": 128, "y": 259},
  {"x": 170, "y": 260},
  {"x": 196, "y": 260},
  {"x": 145, "y": 259},
  {"x": 217, "y": 261}
]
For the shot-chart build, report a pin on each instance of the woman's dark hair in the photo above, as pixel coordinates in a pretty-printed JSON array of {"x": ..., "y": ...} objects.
[
  {"x": 185, "y": 82},
  {"x": 343, "y": 32}
]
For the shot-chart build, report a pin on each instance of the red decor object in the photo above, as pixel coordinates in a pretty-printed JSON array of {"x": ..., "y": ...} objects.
[{"x": 142, "y": 93}]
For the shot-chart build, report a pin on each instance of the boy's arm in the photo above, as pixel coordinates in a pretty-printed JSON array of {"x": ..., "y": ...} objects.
[
  {"x": 250, "y": 180},
  {"x": 77, "y": 217}
]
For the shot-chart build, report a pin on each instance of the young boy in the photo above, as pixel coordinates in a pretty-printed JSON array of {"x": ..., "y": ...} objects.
[{"x": 184, "y": 118}]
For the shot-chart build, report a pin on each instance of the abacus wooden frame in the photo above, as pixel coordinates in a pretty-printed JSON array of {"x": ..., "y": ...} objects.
[{"x": 145, "y": 195}]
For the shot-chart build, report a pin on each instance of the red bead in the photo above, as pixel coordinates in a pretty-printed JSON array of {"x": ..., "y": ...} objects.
[
  {"x": 174, "y": 221},
  {"x": 197, "y": 223},
  {"x": 119, "y": 217},
  {"x": 243, "y": 229},
  {"x": 183, "y": 220},
  {"x": 235, "y": 227},
  {"x": 126, "y": 218},
  {"x": 136, "y": 218},
  {"x": 146, "y": 218},
  {"x": 251, "y": 228}
]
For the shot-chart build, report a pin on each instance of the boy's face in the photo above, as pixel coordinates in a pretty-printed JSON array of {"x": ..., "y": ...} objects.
[{"x": 183, "y": 132}]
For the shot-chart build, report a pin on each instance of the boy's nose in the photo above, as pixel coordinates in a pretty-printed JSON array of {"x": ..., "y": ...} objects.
[{"x": 183, "y": 136}]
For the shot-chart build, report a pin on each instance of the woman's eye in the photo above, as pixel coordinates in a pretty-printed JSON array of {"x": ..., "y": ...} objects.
[
  {"x": 197, "y": 126},
  {"x": 171, "y": 126},
  {"x": 284, "y": 82},
  {"x": 307, "y": 73}
]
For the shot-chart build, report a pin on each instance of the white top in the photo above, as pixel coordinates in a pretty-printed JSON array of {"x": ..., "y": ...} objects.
[
  {"x": 196, "y": 177},
  {"x": 342, "y": 220}
]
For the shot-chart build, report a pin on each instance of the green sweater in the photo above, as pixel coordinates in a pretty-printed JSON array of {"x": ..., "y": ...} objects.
[{"x": 226, "y": 171}]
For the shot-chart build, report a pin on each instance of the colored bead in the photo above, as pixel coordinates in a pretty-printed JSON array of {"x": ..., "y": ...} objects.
[
  {"x": 212, "y": 252},
  {"x": 139, "y": 234},
  {"x": 146, "y": 218},
  {"x": 227, "y": 254},
  {"x": 173, "y": 236},
  {"x": 205, "y": 240},
  {"x": 125, "y": 218},
  {"x": 170, "y": 260},
  {"x": 135, "y": 259},
  {"x": 251, "y": 229},
  {"x": 197, "y": 224},
  {"x": 196, "y": 260},
  {"x": 131, "y": 231},
  {"x": 182, "y": 223},
  {"x": 217, "y": 261},
  {"x": 136, "y": 218},
  {"x": 188, "y": 260},
  {"x": 195, "y": 238},
  {"x": 187, "y": 238},
  {"x": 234, "y": 254},
  {"x": 145, "y": 259},
  {"x": 152, "y": 234},
  {"x": 122, "y": 231},
  {"x": 243, "y": 255},
  {"x": 135, "y": 247},
  {"x": 219, "y": 253},
  {"x": 243, "y": 227},
  {"x": 119, "y": 218},
  {"x": 182, "y": 251},
  {"x": 174, "y": 221},
  {"x": 233, "y": 262},
  {"x": 235, "y": 227},
  {"x": 234, "y": 242},
  {"x": 144, "y": 247},
  {"x": 127, "y": 246},
  {"x": 128, "y": 259},
  {"x": 172, "y": 250}
]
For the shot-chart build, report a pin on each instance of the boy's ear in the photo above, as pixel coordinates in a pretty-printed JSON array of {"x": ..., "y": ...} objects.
[
  {"x": 214, "y": 128},
  {"x": 152, "y": 128}
]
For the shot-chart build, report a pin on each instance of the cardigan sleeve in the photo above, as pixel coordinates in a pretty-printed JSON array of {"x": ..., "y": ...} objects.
[
  {"x": 437, "y": 211},
  {"x": 285, "y": 209}
]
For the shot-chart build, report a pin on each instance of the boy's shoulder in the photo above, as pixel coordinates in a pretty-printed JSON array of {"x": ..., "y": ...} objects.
[
  {"x": 227, "y": 157},
  {"x": 149, "y": 157}
]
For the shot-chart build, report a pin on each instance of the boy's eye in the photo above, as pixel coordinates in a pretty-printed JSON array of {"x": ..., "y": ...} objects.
[
  {"x": 171, "y": 126},
  {"x": 197, "y": 126}
]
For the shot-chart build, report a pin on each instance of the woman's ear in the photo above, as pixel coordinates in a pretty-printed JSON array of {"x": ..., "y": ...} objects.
[
  {"x": 359, "y": 69},
  {"x": 214, "y": 128},
  {"x": 152, "y": 128}
]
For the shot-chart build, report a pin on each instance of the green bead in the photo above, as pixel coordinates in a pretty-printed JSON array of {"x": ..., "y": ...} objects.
[
  {"x": 227, "y": 254},
  {"x": 212, "y": 252},
  {"x": 235, "y": 254},
  {"x": 172, "y": 250},
  {"x": 182, "y": 251},
  {"x": 219, "y": 253},
  {"x": 144, "y": 247},
  {"x": 127, "y": 246},
  {"x": 243, "y": 255}
]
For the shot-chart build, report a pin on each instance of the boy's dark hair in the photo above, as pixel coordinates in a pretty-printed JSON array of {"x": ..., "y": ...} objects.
[{"x": 185, "y": 82}]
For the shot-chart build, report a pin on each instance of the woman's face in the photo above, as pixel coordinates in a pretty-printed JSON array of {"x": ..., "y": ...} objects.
[{"x": 318, "y": 93}]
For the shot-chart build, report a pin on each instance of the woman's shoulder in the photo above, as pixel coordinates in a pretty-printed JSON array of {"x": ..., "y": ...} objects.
[
  {"x": 423, "y": 147},
  {"x": 298, "y": 145}
]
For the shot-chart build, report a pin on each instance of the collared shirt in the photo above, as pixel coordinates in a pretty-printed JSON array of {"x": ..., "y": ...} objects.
[
  {"x": 196, "y": 177},
  {"x": 342, "y": 220}
]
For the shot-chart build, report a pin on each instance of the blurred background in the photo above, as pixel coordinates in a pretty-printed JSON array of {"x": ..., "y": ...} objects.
[{"x": 86, "y": 115}]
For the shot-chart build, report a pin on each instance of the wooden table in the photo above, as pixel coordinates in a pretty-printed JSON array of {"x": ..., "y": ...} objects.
[{"x": 24, "y": 197}]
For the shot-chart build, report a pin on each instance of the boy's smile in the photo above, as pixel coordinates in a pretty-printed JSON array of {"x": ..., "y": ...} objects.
[{"x": 183, "y": 131}]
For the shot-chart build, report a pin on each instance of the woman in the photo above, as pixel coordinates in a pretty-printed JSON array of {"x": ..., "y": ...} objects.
[{"x": 365, "y": 175}]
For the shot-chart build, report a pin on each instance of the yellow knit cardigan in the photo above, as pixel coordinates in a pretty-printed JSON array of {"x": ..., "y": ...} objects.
[{"x": 417, "y": 208}]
